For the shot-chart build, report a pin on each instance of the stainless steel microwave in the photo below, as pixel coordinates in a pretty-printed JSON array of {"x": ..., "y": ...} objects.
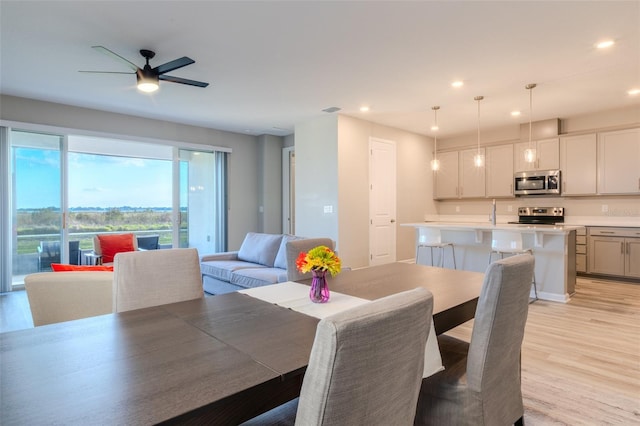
[{"x": 537, "y": 182}]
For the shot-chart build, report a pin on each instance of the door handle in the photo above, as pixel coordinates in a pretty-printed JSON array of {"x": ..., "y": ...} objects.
[{"x": 393, "y": 221}]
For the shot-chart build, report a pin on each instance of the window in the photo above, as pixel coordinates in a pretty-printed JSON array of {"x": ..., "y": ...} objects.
[{"x": 66, "y": 189}]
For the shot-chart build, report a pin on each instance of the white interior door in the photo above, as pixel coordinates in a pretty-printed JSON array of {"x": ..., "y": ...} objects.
[{"x": 382, "y": 201}]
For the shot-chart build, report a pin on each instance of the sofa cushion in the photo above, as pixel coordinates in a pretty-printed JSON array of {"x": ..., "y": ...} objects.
[
  {"x": 260, "y": 248},
  {"x": 281, "y": 257},
  {"x": 222, "y": 269},
  {"x": 63, "y": 267},
  {"x": 249, "y": 278}
]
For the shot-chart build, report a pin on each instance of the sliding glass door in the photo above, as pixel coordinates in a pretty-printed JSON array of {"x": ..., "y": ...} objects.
[
  {"x": 61, "y": 191},
  {"x": 202, "y": 208}
]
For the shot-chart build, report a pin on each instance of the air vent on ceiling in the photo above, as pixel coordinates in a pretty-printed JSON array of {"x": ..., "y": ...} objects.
[{"x": 332, "y": 109}]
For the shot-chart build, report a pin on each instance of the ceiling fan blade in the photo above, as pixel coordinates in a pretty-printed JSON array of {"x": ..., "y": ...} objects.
[
  {"x": 114, "y": 55},
  {"x": 182, "y": 81},
  {"x": 173, "y": 65},
  {"x": 109, "y": 72}
]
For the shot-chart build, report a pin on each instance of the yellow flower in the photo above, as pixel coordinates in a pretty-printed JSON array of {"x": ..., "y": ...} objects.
[{"x": 320, "y": 258}]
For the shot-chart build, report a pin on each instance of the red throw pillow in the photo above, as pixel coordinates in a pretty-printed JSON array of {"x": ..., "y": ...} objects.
[
  {"x": 59, "y": 267},
  {"x": 110, "y": 245}
]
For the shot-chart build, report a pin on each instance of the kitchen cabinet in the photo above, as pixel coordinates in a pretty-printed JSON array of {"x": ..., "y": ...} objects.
[
  {"x": 446, "y": 178},
  {"x": 547, "y": 155},
  {"x": 471, "y": 178},
  {"x": 578, "y": 162},
  {"x": 619, "y": 162},
  {"x": 458, "y": 177},
  {"x": 581, "y": 250},
  {"x": 614, "y": 251},
  {"x": 499, "y": 178}
]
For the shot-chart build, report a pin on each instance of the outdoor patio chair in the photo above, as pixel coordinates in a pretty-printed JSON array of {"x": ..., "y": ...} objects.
[{"x": 48, "y": 253}]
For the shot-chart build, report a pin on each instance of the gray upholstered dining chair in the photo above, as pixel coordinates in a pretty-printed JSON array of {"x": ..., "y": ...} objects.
[
  {"x": 293, "y": 249},
  {"x": 480, "y": 384},
  {"x": 142, "y": 279},
  {"x": 365, "y": 366}
]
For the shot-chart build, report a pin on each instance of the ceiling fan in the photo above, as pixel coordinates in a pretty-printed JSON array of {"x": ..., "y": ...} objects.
[{"x": 148, "y": 77}]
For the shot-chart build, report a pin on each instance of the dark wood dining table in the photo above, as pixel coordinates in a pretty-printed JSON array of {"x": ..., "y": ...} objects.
[{"x": 216, "y": 360}]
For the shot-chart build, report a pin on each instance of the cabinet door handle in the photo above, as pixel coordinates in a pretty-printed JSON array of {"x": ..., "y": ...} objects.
[{"x": 606, "y": 232}]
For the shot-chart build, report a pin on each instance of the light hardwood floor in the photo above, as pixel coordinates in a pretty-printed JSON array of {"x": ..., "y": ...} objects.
[{"x": 580, "y": 360}]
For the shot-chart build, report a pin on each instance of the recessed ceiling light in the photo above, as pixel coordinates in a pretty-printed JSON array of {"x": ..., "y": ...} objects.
[
  {"x": 634, "y": 92},
  {"x": 515, "y": 113},
  {"x": 458, "y": 83},
  {"x": 605, "y": 44},
  {"x": 364, "y": 108},
  {"x": 435, "y": 128}
]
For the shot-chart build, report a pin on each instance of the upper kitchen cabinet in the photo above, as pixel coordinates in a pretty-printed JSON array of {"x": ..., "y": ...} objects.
[
  {"x": 458, "y": 177},
  {"x": 446, "y": 178},
  {"x": 499, "y": 171},
  {"x": 547, "y": 155},
  {"x": 578, "y": 164},
  {"x": 471, "y": 178},
  {"x": 619, "y": 162}
]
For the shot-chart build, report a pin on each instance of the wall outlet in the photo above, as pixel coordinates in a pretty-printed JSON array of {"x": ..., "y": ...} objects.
[
  {"x": 328, "y": 209},
  {"x": 605, "y": 208}
]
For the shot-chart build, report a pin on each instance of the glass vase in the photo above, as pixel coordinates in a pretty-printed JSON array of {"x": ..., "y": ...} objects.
[{"x": 319, "y": 292}]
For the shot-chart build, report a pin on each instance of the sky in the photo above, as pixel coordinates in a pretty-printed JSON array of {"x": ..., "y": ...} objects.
[{"x": 94, "y": 180}]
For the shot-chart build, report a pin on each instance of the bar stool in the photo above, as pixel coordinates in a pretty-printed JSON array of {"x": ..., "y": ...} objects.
[
  {"x": 510, "y": 242},
  {"x": 431, "y": 238}
]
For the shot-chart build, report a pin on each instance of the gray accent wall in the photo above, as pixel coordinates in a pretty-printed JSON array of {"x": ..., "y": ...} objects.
[{"x": 270, "y": 184}]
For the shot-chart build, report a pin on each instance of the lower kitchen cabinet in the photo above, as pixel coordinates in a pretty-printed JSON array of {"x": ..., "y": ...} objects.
[
  {"x": 581, "y": 250},
  {"x": 614, "y": 251}
]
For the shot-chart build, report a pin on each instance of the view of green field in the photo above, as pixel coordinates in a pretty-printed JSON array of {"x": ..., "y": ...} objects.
[{"x": 44, "y": 225}]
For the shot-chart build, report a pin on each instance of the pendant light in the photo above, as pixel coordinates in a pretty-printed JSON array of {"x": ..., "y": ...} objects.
[
  {"x": 478, "y": 159},
  {"x": 435, "y": 163},
  {"x": 530, "y": 152}
]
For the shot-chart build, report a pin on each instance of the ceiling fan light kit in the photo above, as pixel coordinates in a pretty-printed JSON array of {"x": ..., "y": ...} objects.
[{"x": 148, "y": 79}]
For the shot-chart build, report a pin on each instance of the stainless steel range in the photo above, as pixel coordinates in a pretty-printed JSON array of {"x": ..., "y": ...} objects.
[{"x": 540, "y": 215}]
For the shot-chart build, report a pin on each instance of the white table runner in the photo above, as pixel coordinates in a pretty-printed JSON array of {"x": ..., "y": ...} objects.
[{"x": 295, "y": 296}]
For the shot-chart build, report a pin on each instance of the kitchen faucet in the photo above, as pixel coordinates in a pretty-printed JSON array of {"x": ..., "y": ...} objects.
[{"x": 492, "y": 216}]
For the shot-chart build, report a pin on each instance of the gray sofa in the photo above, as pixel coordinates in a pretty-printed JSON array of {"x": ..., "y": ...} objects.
[{"x": 262, "y": 259}]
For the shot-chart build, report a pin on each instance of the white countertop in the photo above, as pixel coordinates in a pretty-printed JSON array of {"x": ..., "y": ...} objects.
[{"x": 486, "y": 226}]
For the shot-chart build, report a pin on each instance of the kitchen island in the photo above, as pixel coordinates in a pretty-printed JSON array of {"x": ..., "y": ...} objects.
[{"x": 553, "y": 246}]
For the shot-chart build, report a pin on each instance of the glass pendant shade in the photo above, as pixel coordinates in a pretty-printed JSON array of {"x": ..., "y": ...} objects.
[
  {"x": 435, "y": 163},
  {"x": 478, "y": 159},
  {"x": 530, "y": 153}
]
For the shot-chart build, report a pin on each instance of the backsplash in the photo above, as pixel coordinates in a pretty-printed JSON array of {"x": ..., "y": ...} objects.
[{"x": 619, "y": 211}]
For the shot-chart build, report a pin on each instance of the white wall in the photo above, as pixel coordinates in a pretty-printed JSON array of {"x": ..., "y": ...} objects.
[
  {"x": 243, "y": 162},
  {"x": 343, "y": 144},
  {"x": 316, "y": 177}
]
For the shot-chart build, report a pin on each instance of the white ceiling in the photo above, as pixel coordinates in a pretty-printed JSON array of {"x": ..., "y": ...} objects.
[{"x": 274, "y": 64}]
